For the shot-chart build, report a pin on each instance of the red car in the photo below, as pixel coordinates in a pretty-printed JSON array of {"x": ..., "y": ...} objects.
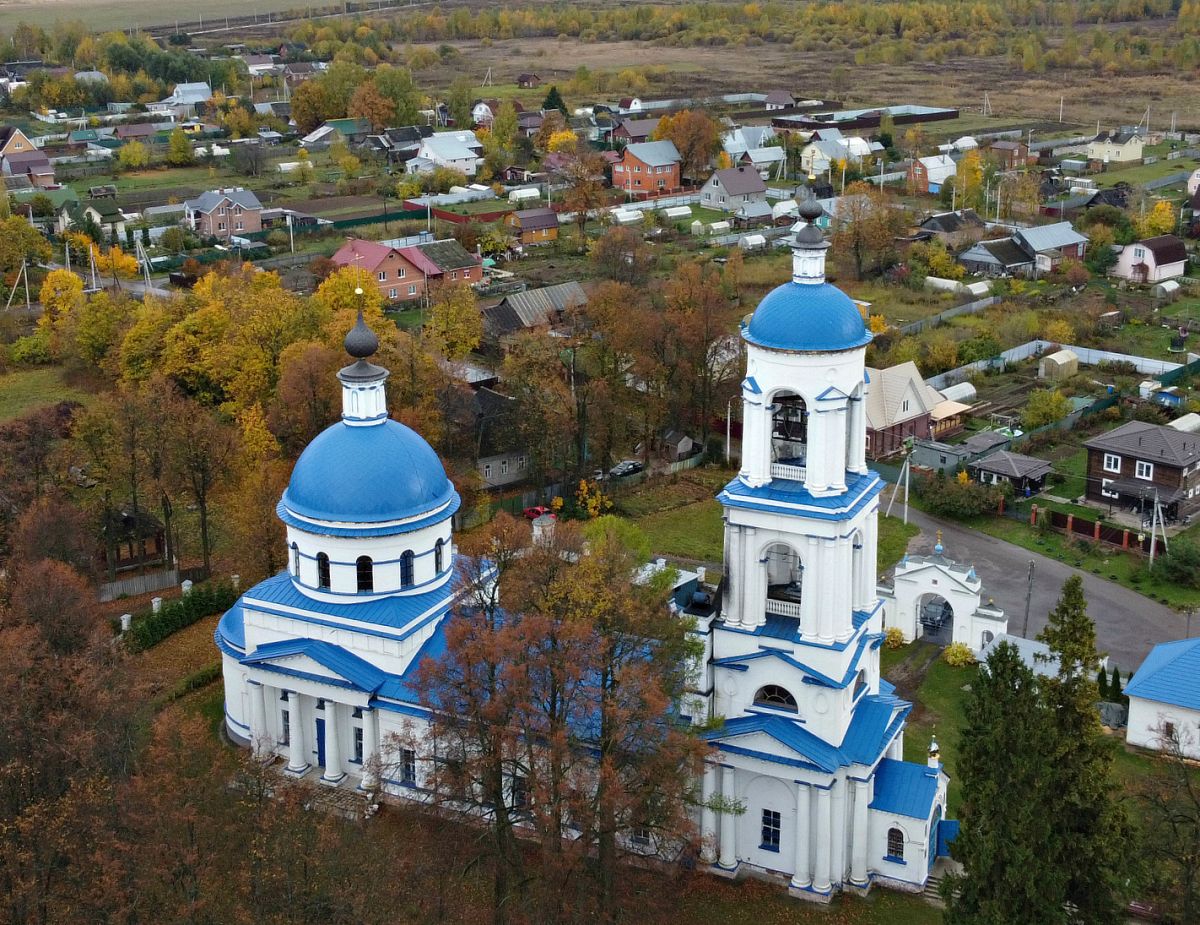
[{"x": 533, "y": 513}]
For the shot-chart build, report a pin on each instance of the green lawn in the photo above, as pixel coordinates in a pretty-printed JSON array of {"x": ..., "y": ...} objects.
[
  {"x": 27, "y": 389},
  {"x": 894, "y": 535},
  {"x": 1144, "y": 172},
  {"x": 694, "y": 531},
  {"x": 709, "y": 901}
]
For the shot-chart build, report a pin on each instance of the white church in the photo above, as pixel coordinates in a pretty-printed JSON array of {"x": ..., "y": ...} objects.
[{"x": 805, "y": 781}]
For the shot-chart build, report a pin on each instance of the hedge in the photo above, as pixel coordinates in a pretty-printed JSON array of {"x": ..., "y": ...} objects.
[{"x": 149, "y": 628}]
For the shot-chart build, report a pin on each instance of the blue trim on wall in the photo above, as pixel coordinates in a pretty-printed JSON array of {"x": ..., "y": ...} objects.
[
  {"x": 329, "y": 530},
  {"x": 230, "y": 719}
]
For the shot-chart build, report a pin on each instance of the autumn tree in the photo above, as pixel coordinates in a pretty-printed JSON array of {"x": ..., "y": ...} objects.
[
  {"x": 454, "y": 326},
  {"x": 21, "y": 242},
  {"x": 179, "y": 149},
  {"x": 533, "y": 373},
  {"x": 582, "y": 173},
  {"x": 133, "y": 155},
  {"x": 460, "y": 99},
  {"x": 696, "y": 137},
  {"x": 52, "y": 527},
  {"x": 57, "y": 600},
  {"x": 369, "y": 104},
  {"x": 1160, "y": 219},
  {"x": 396, "y": 84},
  {"x": 204, "y": 450},
  {"x": 620, "y": 254},
  {"x": 62, "y": 301},
  {"x": 1044, "y": 406},
  {"x": 341, "y": 295},
  {"x": 867, "y": 226},
  {"x": 312, "y": 105},
  {"x": 308, "y": 398},
  {"x": 1169, "y": 799}
]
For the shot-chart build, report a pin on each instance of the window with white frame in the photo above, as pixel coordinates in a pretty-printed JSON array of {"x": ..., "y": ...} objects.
[
  {"x": 408, "y": 767},
  {"x": 520, "y": 462},
  {"x": 1104, "y": 483},
  {"x": 640, "y": 835},
  {"x": 771, "y": 828},
  {"x": 895, "y": 845},
  {"x": 382, "y": 275},
  {"x": 1112, "y": 462},
  {"x": 391, "y": 293},
  {"x": 1144, "y": 470},
  {"x": 504, "y": 467},
  {"x": 487, "y": 470},
  {"x": 412, "y": 289}
]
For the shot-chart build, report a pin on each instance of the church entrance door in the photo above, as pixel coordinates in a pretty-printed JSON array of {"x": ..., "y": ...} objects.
[
  {"x": 936, "y": 619},
  {"x": 321, "y": 742}
]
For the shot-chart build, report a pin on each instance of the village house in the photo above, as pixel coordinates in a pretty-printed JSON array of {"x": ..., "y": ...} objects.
[
  {"x": 185, "y": 98},
  {"x": 770, "y": 162},
  {"x": 534, "y": 226},
  {"x": 955, "y": 229},
  {"x": 899, "y": 408},
  {"x": 738, "y": 141},
  {"x": 778, "y": 99},
  {"x": 1136, "y": 463},
  {"x": 528, "y": 81},
  {"x": 732, "y": 188},
  {"x": 261, "y": 65},
  {"x": 1009, "y": 154},
  {"x": 927, "y": 174},
  {"x": 533, "y": 308},
  {"x": 529, "y": 123},
  {"x": 1151, "y": 260},
  {"x": 1028, "y": 252},
  {"x": 648, "y": 168},
  {"x": 349, "y": 131},
  {"x": 224, "y": 213},
  {"x": 483, "y": 112},
  {"x": 404, "y": 274},
  {"x": 1115, "y": 147},
  {"x": 459, "y": 150},
  {"x": 634, "y": 131},
  {"x": 105, "y": 213},
  {"x": 14, "y": 141},
  {"x": 1026, "y": 474},
  {"x": 1164, "y": 700},
  {"x": 398, "y": 145},
  {"x": 33, "y": 165}
]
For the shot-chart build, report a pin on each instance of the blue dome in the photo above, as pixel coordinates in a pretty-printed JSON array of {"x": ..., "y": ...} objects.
[
  {"x": 372, "y": 474},
  {"x": 807, "y": 317}
]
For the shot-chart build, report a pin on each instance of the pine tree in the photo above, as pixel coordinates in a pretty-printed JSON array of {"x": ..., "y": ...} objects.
[
  {"x": 1114, "y": 689},
  {"x": 1102, "y": 683},
  {"x": 1091, "y": 830},
  {"x": 1006, "y": 822},
  {"x": 554, "y": 100}
]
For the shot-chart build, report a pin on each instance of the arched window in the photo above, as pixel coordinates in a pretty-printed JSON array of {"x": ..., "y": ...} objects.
[
  {"x": 406, "y": 569},
  {"x": 860, "y": 682},
  {"x": 439, "y": 556},
  {"x": 366, "y": 576},
  {"x": 295, "y": 560},
  {"x": 987, "y": 637},
  {"x": 776, "y": 697},
  {"x": 322, "y": 571},
  {"x": 895, "y": 846}
]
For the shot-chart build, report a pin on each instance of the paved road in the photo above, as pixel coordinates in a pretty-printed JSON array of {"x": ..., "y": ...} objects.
[{"x": 1127, "y": 623}]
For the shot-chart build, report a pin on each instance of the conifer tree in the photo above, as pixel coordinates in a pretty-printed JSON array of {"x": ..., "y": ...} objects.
[
  {"x": 554, "y": 100},
  {"x": 1091, "y": 829},
  {"x": 1102, "y": 683},
  {"x": 1114, "y": 688},
  {"x": 1006, "y": 823}
]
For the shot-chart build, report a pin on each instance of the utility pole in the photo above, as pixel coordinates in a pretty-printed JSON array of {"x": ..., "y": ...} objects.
[{"x": 1028, "y": 601}]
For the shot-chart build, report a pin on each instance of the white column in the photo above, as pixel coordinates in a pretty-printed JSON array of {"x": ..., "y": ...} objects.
[
  {"x": 824, "y": 841},
  {"x": 755, "y": 613},
  {"x": 802, "y": 876},
  {"x": 810, "y": 603},
  {"x": 370, "y": 718},
  {"x": 333, "y": 750},
  {"x": 260, "y": 736},
  {"x": 708, "y": 818},
  {"x": 835, "y": 447},
  {"x": 816, "y": 476},
  {"x": 828, "y": 603},
  {"x": 732, "y": 605},
  {"x": 747, "y": 571},
  {"x": 843, "y": 591},
  {"x": 857, "y": 423},
  {"x": 728, "y": 858},
  {"x": 839, "y": 831},
  {"x": 298, "y": 762},
  {"x": 870, "y": 570},
  {"x": 756, "y": 443},
  {"x": 858, "y": 851}
]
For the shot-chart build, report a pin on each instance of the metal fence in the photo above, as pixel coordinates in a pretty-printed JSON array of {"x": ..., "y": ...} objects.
[{"x": 967, "y": 308}]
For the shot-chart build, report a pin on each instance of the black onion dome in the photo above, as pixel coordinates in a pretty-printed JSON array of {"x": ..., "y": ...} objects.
[
  {"x": 361, "y": 342},
  {"x": 810, "y": 210}
]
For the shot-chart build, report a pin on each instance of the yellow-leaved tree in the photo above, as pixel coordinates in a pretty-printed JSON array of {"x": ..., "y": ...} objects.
[
  {"x": 454, "y": 326},
  {"x": 115, "y": 262},
  {"x": 1159, "y": 220},
  {"x": 561, "y": 142},
  {"x": 62, "y": 299},
  {"x": 341, "y": 295}
]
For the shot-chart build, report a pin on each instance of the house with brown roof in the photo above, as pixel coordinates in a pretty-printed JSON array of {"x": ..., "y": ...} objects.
[
  {"x": 1136, "y": 463},
  {"x": 528, "y": 81},
  {"x": 533, "y": 308},
  {"x": 1010, "y": 154},
  {"x": 1151, "y": 260},
  {"x": 32, "y": 164},
  {"x": 955, "y": 229},
  {"x": 634, "y": 131},
  {"x": 136, "y": 131},
  {"x": 1026, "y": 474},
  {"x": 533, "y": 226},
  {"x": 404, "y": 274},
  {"x": 649, "y": 168},
  {"x": 779, "y": 99},
  {"x": 732, "y": 188}
]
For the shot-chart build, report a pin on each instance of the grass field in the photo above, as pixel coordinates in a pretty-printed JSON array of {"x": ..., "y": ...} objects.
[
  {"x": 1144, "y": 172},
  {"x": 122, "y": 14},
  {"x": 27, "y": 389}
]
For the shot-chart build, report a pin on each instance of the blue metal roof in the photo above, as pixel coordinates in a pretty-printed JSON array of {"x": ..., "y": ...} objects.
[
  {"x": 1170, "y": 674},
  {"x": 395, "y": 612},
  {"x": 360, "y": 673},
  {"x": 362, "y": 475},
  {"x": 808, "y": 317},
  {"x": 231, "y": 630},
  {"x": 860, "y": 489},
  {"x": 905, "y": 789},
  {"x": 877, "y": 719},
  {"x": 786, "y": 732}
]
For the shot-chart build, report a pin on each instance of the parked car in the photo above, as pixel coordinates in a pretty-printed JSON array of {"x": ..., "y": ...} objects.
[
  {"x": 625, "y": 467},
  {"x": 533, "y": 513}
]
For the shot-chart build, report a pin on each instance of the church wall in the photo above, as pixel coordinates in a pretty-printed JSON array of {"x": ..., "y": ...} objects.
[
  {"x": 914, "y": 868},
  {"x": 758, "y": 792},
  {"x": 237, "y": 707},
  {"x": 1146, "y": 718}
]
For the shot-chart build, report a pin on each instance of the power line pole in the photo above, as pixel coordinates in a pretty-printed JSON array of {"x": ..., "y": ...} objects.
[{"x": 1028, "y": 601}]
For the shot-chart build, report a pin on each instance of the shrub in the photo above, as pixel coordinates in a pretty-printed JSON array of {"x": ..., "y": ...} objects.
[
  {"x": 1181, "y": 564},
  {"x": 31, "y": 350},
  {"x": 151, "y": 628},
  {"x": 958, "y": 655},
  {"x": 893, "y": 637}
]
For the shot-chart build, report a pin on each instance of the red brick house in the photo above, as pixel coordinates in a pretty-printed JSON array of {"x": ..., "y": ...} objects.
[
  {"x": 651, "y": 168},
  {"x": 1009, "y": 155},
  {"x": 634, "y": 131},
  {"x": 404, "y": 274}
]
